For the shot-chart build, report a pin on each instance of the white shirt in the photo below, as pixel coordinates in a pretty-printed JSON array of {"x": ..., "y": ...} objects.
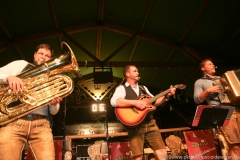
[
  {"x": 15, "y": 68},
  {"x": 120, "y": 92}
]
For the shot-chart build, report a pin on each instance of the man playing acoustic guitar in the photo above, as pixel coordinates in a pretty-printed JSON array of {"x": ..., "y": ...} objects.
[{"x": 126, "y": 96}]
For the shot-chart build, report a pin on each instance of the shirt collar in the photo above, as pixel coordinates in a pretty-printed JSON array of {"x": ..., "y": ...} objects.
[
  {"x": 127, "y": 84},
  {"x": 210, "y": 78}
]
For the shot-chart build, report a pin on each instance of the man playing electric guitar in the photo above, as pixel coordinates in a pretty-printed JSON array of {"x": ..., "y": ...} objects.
[{"x": 126, "y": 96}]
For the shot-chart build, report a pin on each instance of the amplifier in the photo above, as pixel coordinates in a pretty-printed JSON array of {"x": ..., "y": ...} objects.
[{"x": 82, "y": 152}]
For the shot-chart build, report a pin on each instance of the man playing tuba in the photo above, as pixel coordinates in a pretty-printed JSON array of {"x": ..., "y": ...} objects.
[{"x": 34, "y": 128}]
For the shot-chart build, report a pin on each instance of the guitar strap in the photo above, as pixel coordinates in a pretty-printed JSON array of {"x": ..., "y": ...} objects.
[{"x": 142, "y": 90}]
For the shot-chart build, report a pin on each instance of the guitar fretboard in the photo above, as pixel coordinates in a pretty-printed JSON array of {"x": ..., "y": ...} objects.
[{"x": 158, "y": 96}]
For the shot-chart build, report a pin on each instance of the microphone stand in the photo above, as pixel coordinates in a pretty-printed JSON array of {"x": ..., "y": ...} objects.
[
  {"x": 107, "y": 135},
  {"x": 63, "y": 130}
]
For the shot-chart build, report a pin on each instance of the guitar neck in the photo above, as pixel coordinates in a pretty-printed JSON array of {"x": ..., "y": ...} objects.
[{"x": 159, "y": 96}]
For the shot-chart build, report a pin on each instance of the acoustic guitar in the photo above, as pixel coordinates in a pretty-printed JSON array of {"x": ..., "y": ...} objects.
[{"x": 132, "y": 117}]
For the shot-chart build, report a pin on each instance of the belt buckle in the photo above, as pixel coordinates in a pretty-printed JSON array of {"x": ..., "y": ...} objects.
[{"x": 29, "y": 116}]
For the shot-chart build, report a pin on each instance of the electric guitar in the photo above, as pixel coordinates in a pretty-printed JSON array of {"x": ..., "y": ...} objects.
[{"x": 132, "y": 117}]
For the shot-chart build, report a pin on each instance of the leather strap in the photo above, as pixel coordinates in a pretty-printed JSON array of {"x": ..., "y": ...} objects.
[{"x": 32, "y": 117}]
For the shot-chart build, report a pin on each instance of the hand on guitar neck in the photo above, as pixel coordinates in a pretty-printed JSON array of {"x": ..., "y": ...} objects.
[{"x": 144, "y": 103}]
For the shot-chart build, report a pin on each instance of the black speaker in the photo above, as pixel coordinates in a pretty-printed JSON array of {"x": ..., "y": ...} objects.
[
  {"x": 102, "y": 75},
  {"x": 82, "y": 151}
]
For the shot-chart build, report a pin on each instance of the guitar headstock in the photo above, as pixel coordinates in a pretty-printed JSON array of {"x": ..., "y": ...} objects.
[{"x": 180, "y": 86}]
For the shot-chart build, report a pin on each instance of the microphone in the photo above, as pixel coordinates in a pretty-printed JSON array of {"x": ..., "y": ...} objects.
[
  {"x": 40, "y": 61},
  {"x": 216, "y": 67}
]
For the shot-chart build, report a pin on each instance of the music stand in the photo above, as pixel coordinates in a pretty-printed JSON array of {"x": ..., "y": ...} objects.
[{"x": 212, "y": 117}]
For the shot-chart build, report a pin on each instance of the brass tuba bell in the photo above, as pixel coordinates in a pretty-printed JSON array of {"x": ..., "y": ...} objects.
[{"x": 41, "y": 84}]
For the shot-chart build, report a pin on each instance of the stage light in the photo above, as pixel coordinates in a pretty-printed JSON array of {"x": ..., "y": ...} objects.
[{"x": 102, "y": 75}]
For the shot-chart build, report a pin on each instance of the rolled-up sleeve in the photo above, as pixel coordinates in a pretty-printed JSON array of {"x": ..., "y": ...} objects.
[
  {"x": 14, "y": 68},
  {"x": 119, "y": 93},
  {"x": 54, "y": 109},
  {"x": 198, "y": 89}
]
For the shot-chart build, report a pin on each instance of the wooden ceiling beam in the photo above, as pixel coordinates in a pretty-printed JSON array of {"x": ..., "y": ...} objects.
[
  {"x": 120, "y": 48},
  {"x": 101, "y": 4},
  {"x": 19, "y": 52},
  {"x": 90, "y": 26},
  {"x": 138, "y": 64},
  {"x": 47, "y": 35},
  {"x": 53, "y": 14},
  {"x": 99, "y": 43},
  {"x": 55, "y": 20},
  {"x": 228, "y": 40},
  {"x": 30, "y": 39},
  {"x": 196, "y": 57},
  {"x": 81, "y": 28},
  {"x": 146, "y": 64},
  {"x": 142, "y": 36},
  {"x": 159, "y": 70},
  {"x": 192, "y": 55},
  {"x": 146, "y": 15},
  {"x": 81, "y": 47},
  {"x": 141, "y": 29},
  {"x": 190, "y": 25},
  {"x": 133, "y": 50},
  {"x": 192, "y": 74},
  {"x": 5, "y": 30}
]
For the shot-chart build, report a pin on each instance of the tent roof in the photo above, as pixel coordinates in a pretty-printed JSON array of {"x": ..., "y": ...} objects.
[{"x": 165, "y": 39}]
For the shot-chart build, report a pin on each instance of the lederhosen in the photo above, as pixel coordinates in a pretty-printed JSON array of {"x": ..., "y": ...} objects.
[{"x": 149, "y": 124}]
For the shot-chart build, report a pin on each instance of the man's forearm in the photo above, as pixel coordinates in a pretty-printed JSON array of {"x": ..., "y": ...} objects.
[
  {"x": 121, "y": 102},
  {"x": 203, "y": 96},
  {"x": 160, "y": 101}
]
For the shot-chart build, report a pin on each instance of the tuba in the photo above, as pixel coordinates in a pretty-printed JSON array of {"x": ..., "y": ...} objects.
[{"x": 41, "y": 84}]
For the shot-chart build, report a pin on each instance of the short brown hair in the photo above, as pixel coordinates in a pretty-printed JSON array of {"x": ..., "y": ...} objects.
[
  {"x": 46, "y": 46},
  {"x": 203, "y": 62},
  {"x": 126, "y": 68}
]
